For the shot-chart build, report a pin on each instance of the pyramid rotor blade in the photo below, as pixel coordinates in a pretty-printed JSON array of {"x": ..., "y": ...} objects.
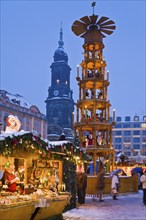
[
  {"x": 107, "y": 23},
  {"x": 106, "y": 31},
  {"x": 82, "y": 35},
  {"x": 78, "y": 30},
  {"x": 93, "y": 18},
  {"x": 79, "y": 24},
  {"x": 86, "y": 20},
  {"x": 103, "y": 35},
  {"x": 109, "y": 27},
  {"x": 101, "y": 20}
]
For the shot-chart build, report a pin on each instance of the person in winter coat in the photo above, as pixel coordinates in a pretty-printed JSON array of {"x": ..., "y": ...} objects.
[
  {"x": 79, "y": 187},
  {"x": 100, "y": 184},
  {"x": 143, "y": 181},
  {"x": 84, "y": 186},
  {"x": 115, "y": 186}
]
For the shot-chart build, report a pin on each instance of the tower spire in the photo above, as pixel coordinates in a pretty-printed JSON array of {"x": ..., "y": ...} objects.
[
  {"x": 60, "y": 42},
  {"x": 93, "y": 5}
]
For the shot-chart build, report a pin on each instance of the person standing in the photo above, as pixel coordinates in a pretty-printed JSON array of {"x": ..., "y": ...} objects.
[
  {"x": 115, "y": 186},
  {"x": 79, "y": 187},
  {"x": 100, "y": 184},
  {"x": 84, "y": 186},
  {"x": 143, "y": 181}
]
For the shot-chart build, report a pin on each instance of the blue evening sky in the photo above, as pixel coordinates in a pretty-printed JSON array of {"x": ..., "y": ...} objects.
[{"x": 29, "y": 38}]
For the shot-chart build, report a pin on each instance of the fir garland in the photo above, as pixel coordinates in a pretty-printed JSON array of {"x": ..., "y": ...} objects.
[{"x": 31, "y": 142}]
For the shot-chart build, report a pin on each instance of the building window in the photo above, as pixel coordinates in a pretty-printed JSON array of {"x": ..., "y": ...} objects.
[
  {"x": 127, "y": 146},
  {"x": 118, "y": 147},
  {"x": 118, "y": 119},
  {"x": 127, "y": 133},
  {"x": 126, "y": 125},
  {"x": 144, "y": 118},
  {"x": 118, "y": 126},
  {"x": 143, "y": 125},
  {"x": 136, "y": 146},
  {"x": 136, "y": 125},
  {"x": 128, "y": 153},
  {"x": 136, "y": 132},
  {"x": 136, "y": 118},
  {"x": 118, "y": 133},
  {"x": 118, "y": 140},
  {"x": 127, "y": 118},
  {"x": 136, "y": 140},
  {"x": 144, "y": 132},
  {"x": 127, "y": 139}
]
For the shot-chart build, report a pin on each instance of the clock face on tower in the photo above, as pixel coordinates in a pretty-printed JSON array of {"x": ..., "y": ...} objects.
[{"x": 56, "y": 92}]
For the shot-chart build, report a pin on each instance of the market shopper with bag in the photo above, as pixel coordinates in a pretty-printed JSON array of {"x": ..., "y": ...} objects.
[{"x": 115, "y": 183}]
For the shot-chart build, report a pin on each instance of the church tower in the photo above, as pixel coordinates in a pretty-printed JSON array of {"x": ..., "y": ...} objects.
[{"x": 60, "y": 103}]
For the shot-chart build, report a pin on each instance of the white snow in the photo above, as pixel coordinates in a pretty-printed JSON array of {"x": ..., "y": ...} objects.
[
  {"x": 127, "y": 207},
  {"x": 4, "y": 135},
  {"x": 18, "y": 99}
]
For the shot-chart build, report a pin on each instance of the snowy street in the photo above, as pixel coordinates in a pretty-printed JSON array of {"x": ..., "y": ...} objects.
[{"x": 127, "y": 207}]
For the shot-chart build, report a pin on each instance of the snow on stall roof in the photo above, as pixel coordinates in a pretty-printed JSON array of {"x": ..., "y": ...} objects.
[
  {"x": 4, "y": 135},
  {"x": 22, "y": 132},
  {"x": 56, "y": 143}
]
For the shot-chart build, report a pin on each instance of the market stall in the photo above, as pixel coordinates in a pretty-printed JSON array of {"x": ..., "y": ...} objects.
[{"x": 31, "y": 175}]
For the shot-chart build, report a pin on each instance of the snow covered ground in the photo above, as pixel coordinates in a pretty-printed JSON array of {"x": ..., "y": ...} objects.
[{"x": 127, "y": 207}]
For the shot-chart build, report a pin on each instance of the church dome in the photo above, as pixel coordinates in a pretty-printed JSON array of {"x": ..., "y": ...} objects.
[{"x": 60, "y": 55}]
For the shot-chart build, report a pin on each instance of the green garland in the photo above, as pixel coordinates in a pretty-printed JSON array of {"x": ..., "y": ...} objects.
[{"x": 32, "y": 143}]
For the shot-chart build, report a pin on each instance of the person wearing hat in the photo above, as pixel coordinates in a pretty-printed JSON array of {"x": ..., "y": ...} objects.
[{"x": 143, "y": 181}]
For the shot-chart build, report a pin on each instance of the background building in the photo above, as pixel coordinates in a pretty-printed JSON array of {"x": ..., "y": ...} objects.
[
  {"x": 129, "y": 135},
  {"x": 29, "y": 115},
  {"x": 59, "y": 103}
]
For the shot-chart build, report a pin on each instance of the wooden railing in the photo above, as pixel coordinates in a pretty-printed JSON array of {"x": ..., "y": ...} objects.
[{"x": 127, "y": 184}]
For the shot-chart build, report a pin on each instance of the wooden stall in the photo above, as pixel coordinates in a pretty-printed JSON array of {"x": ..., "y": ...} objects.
[
  {"x": 32, "y": 173},
  {"x": 46, "y": 198},
  {"x": 127, "y": 184},
  {"x": 17, "y": 211}
]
